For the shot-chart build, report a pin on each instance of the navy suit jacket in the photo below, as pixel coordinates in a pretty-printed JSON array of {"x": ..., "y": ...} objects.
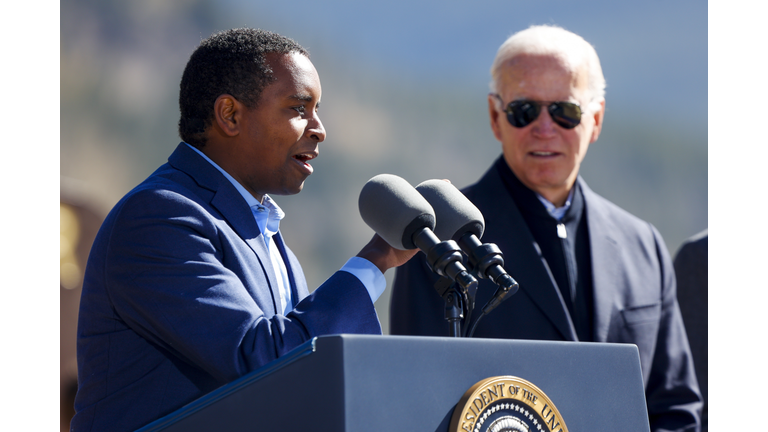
[
  {"x": 634, "y": 296},
  {"x": 692, "y": 294},
  {"x": 180, "y": 298}
]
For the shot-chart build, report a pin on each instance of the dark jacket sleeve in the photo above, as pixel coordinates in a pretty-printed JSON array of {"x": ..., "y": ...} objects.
[
  {"x": 691, "y": 272},
  {"x": 672, "y": 392},
  {"x": 416, "y": 307}
]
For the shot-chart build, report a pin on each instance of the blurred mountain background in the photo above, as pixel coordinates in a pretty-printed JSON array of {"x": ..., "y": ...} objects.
[{"x": 404, "y": 92}]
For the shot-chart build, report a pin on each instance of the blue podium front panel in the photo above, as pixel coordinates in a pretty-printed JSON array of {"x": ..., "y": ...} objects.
[{"x": 403, "y": 383}]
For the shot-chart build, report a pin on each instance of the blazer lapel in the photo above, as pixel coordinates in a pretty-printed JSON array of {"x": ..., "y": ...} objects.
[
  {"x": 295, "y": 274},
  {"x": 605, "y": 262},
  {"x": 522, "y": 255},
  {"x": 228, "y": 201}
]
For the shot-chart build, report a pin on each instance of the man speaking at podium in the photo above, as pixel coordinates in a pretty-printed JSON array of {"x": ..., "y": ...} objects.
[
  {"x": 587, "y": 270},
  {"x": 189, "y": 284}
]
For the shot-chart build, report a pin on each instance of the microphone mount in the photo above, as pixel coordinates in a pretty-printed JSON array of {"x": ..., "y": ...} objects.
[
  {"x": 487, "y": 262},
  {"x": 444, "y": 258}
]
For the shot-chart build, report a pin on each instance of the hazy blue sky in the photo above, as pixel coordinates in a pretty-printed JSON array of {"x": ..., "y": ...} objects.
[{"x": 654, "y": 53}]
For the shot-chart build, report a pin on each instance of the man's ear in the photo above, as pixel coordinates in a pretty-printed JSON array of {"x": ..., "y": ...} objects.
[
  {"x": 495, "y": 116},
  {"x": 598, "y": 117},
  {"x": 226, "y": 112}
]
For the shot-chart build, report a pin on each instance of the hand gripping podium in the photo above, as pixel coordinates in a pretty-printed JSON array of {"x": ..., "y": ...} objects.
[{"x": 412, "y": 383}]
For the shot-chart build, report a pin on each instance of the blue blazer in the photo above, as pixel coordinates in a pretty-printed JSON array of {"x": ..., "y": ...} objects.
[
  {"x": 180, "y": 298},
  {"x": 634, "y": 296}
]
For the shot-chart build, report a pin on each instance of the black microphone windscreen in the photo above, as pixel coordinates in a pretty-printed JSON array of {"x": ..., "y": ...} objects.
[
  {"x": 395, "y": 210},
  {"x": 455, "y": 213}
]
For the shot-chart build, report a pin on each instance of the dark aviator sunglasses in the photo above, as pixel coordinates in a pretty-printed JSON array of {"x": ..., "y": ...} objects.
[{"x": 521, "y": 113}]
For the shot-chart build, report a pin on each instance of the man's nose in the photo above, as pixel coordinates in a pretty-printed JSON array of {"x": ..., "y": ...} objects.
[
  {"x": 544, "y": 126},
  {"x": 315, "y": 129}
]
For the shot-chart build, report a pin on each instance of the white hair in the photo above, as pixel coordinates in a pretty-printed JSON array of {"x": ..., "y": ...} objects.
[{"x": 553, "y": 40}]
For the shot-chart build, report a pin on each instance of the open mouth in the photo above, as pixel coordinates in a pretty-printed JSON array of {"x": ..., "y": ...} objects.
[
  {"x": 543, "y": 153},
  {"x": 304, "y": 159}
]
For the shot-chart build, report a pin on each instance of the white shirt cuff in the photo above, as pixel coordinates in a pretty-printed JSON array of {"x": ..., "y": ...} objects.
[{"x": 370, "y": 276}]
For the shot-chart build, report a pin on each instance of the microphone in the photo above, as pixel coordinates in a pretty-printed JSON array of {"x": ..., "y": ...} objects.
[
  {"x": 404, "y": 219},
  {"x": 460, "y": 220}
]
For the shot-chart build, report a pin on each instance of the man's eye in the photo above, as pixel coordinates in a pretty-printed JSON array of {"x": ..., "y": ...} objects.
[{"x": 300, "y": 109}]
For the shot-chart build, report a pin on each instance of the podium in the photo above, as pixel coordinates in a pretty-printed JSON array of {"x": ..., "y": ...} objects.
[{"x": 413, "y": 383}]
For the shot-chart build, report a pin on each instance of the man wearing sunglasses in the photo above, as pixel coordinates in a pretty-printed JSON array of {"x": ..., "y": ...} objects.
[{"x": 587, "y": 270}]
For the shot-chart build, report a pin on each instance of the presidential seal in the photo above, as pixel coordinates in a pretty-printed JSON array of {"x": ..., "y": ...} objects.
[{"x": 506, "y": 404}]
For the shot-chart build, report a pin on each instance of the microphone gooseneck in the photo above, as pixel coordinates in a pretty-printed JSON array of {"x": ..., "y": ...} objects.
[{"x": 488, "y": 262}]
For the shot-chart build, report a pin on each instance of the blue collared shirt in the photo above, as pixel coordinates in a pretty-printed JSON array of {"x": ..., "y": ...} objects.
[
  {"x": 557, "y": 212},
  {"x": 268, "y": 215}
]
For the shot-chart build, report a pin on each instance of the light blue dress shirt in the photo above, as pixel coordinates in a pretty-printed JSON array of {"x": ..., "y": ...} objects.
[
  {"x": 558, "y": 212},
  {"x": 268, "y": 216}
]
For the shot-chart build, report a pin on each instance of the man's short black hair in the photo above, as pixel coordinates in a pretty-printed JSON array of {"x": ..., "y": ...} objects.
[{"x": 230, "y": 62}]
